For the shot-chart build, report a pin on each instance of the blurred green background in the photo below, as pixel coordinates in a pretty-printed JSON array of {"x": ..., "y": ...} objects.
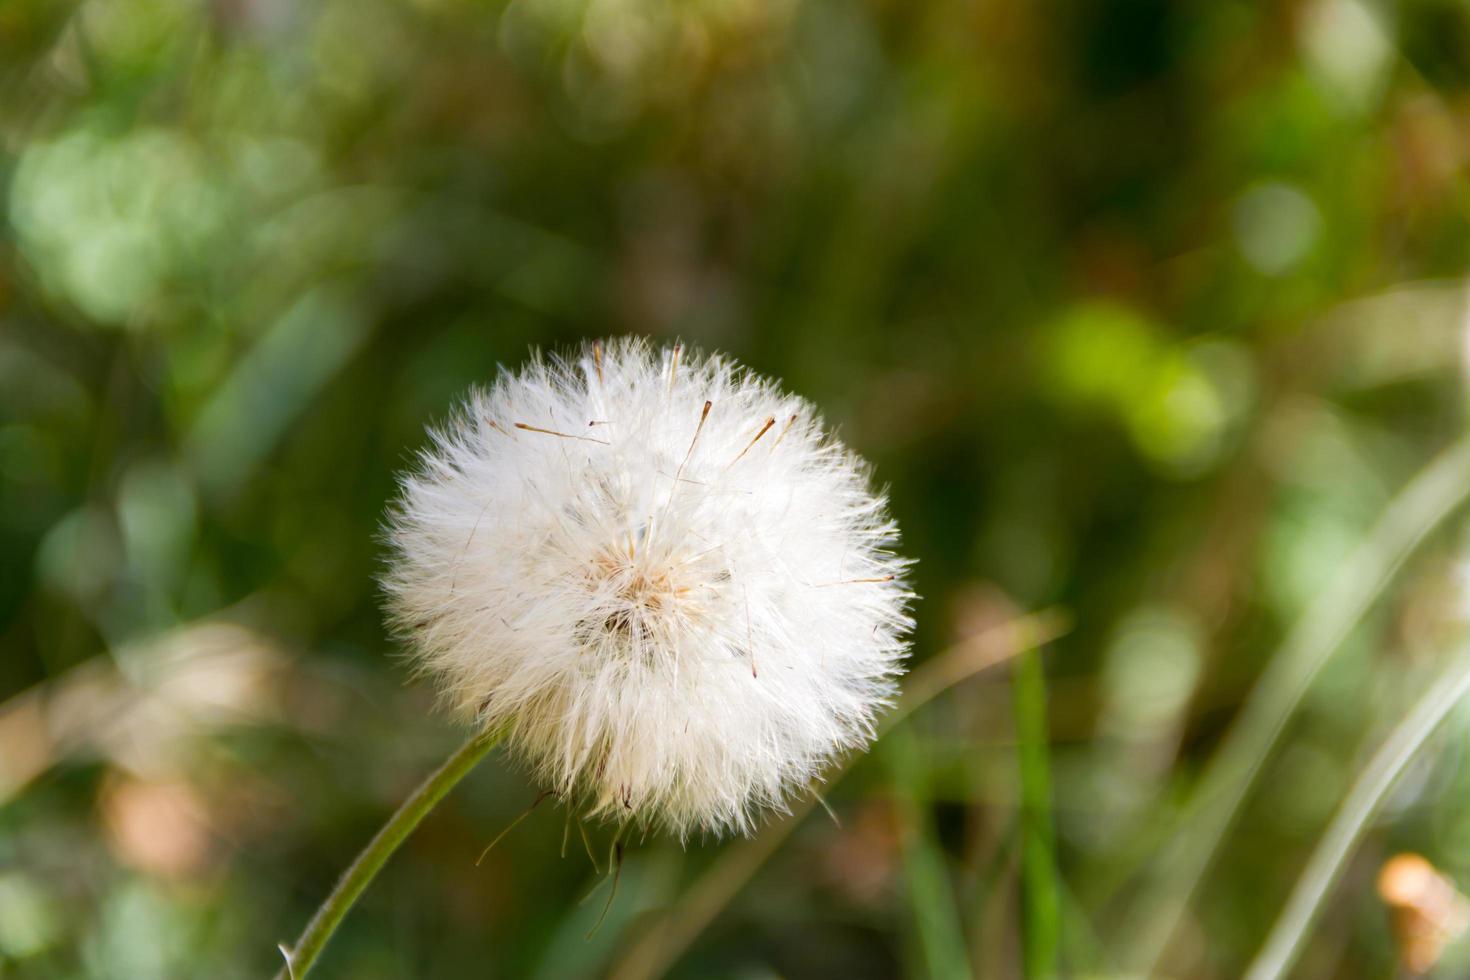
[{"x": 1144, "y": 310}]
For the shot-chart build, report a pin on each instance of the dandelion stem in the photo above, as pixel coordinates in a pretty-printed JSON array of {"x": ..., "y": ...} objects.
[
  {"x": 1347, "y": 827},
  {"x": 301, "y": 957}
]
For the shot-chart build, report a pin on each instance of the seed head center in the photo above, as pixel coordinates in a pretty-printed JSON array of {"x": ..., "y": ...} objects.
[{"x": 645, "y": 598}]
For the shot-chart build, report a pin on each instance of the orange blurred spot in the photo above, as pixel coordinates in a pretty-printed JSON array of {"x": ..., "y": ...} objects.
[
  {"x": 1427, "y": 909},
  {"x": 157, "y": 827}
]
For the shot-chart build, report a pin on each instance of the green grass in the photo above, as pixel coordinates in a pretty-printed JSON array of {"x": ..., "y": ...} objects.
[{"x": 1040, "y": 915}]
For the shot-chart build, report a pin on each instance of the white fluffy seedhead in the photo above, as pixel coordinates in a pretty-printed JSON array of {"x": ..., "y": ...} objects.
[{"x": 661, "y": 575}]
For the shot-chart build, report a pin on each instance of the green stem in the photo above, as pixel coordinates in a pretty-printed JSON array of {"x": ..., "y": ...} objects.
[
  {"x": 299, "y": 960},
  {"x": 937, "y": 925},
  {"x": 1284, "y": 944},
  {"x": 1040, "y": 922}
]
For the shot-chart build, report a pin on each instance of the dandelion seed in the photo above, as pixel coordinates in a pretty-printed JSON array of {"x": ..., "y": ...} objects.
[
  {"x": 770, "y": 421},
  {"x": 552, "y": 432},
  {"x": 540, "y": 798},
  {"x": 616, "y": 860},
  {"x": 629, "y": 683}
]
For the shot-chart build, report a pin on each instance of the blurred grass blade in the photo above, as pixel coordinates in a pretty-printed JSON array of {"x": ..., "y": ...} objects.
[
  {"x": 1431, "y": 496},
  {"x": 666, "y": 939},
  {"x": 1040, "y": 921},
  {"x": 648, "y": 882},
  {"x": 988, "y": 902},
  {"x": 931, "y": 895},
  {"x": 1348, "y": 825},
  {"x": 253, "y": 409}
]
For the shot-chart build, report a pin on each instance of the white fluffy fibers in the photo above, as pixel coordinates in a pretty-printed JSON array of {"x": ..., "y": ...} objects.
[{"x": 660, "y": 575}]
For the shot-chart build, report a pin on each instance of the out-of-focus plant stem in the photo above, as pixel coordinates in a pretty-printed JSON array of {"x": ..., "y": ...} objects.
[
  {"x": 666, "y": 939},
  {"x": 1431, "y": 496},
  {"x": 1285, "y": 941},
  {"x": 301, "y": 957},
  {"x": 936, "y": 916},
  {"x": 1040, "y": 920}
]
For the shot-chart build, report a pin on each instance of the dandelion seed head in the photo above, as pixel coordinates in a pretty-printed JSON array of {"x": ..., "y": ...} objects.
[{"x": 658, "y": 572}]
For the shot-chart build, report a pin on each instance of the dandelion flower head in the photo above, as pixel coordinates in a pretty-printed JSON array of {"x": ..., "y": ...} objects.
[{"x": 673, "y": 589}]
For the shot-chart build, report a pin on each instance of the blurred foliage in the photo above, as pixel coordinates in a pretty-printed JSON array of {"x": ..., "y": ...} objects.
[{"x": 1142, "y": 309}]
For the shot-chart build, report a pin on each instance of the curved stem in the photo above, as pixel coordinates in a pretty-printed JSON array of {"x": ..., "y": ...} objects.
[
  {"x": 1398, "y": 750},
  {"x": 299, "y": 960},
  {"x": 1424, "y": 503}
]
